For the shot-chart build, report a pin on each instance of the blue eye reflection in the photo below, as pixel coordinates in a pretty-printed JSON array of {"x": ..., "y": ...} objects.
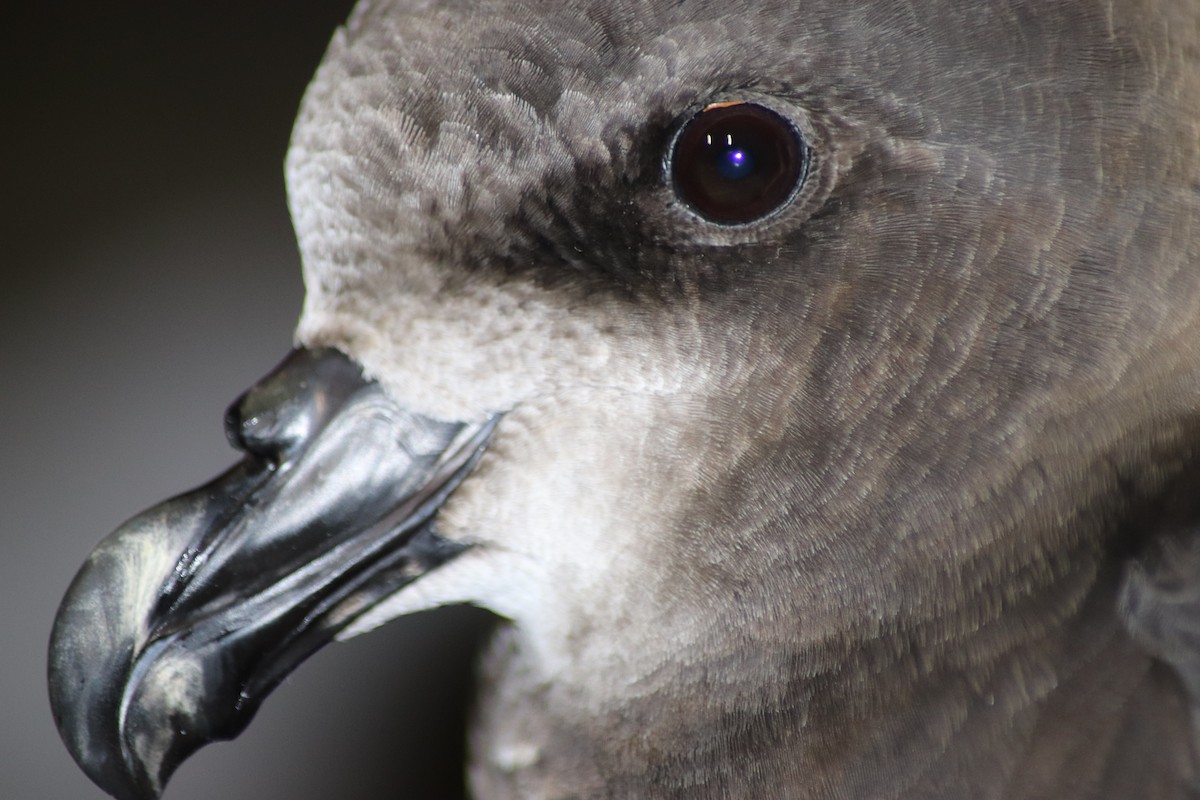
[{"x": 734, "y": 164}]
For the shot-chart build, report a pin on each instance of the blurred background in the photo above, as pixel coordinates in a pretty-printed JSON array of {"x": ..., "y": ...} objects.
[{"x": 148, "y": 275}]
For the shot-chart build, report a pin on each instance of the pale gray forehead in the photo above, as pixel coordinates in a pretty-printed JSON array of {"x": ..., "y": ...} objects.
[
  {"x": 428, "y": 118},
  {"x": 435, "y": 121}
]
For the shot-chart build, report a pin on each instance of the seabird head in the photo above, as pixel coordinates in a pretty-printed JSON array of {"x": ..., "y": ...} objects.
[{"x": 787, "y": 374}]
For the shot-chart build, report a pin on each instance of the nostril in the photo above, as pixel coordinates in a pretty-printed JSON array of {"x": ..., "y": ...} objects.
[
  {"x": 269, "y": 423},
  {"x": 277, "y": 416},
  {"x": 233, "y": 426},
  {"x": 251, "y": 432},
  {"x": 241, "y": 431}
]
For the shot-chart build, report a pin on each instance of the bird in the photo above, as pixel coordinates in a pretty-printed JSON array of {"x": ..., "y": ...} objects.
[{"x": 811, "y": 388}]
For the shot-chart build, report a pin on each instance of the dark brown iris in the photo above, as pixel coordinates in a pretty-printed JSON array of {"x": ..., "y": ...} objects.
[{"x": 734, "y": 163}]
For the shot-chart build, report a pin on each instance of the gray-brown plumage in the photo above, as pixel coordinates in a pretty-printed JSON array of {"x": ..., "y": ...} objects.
[{"x": 889, "y": 493}]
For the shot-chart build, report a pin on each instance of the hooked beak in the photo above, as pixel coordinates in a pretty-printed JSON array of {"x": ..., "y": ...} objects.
[{"x": 186, "y": 617}]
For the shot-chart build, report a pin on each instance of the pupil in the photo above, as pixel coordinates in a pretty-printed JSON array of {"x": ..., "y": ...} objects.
[{"x": 735, "y": 164}]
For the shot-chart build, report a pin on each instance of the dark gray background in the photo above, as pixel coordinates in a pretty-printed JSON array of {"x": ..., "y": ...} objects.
[{"x": 148, "y": 275}]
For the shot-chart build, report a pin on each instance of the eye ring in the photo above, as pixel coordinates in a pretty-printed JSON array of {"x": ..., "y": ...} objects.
[{"x": 737, "y": 162}]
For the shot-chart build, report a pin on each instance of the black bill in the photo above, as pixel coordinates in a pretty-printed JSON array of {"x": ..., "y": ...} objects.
[{"x": 187, "y": 616}]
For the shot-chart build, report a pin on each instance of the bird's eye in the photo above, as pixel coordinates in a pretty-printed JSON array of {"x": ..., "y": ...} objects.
[{"x": 734, "y": 163}]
